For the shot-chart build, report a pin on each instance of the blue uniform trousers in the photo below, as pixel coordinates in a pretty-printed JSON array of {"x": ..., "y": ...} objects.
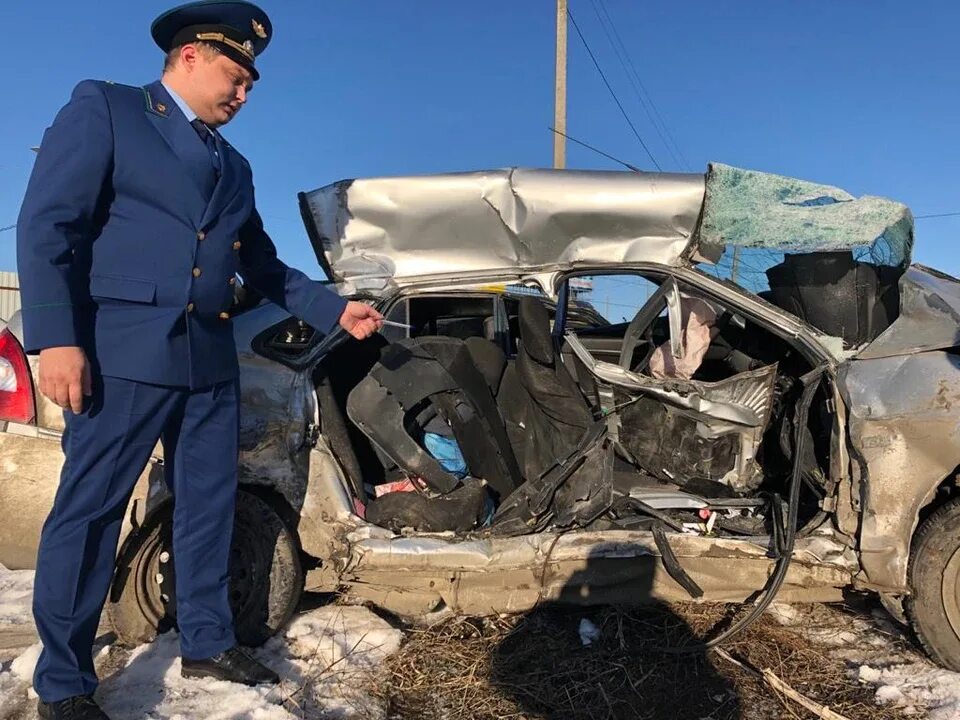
[{"x": 106, "y": 448}]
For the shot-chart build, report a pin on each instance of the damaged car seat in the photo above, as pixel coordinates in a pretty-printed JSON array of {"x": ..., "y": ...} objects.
[
  {"x": 512, "y": 400},
  {"x": 555, "y": 414},
  {"x": 460, "y": 511},
  {"x": 416, "y": 379},
  {"x": 843, "y": 297},
  {"x": 573, "y": 492}
]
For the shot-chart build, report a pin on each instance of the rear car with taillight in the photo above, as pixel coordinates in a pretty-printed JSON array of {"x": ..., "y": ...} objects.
[{"x": 16, "y": 386}]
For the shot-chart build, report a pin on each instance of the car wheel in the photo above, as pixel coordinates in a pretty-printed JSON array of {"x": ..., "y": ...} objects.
[
  {"x": 266, "y": 578},
  {"x": 934, "y": 606}
]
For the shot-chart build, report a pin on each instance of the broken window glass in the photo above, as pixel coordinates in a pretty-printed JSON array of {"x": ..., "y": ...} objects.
[{"x": 750, "y": 209}]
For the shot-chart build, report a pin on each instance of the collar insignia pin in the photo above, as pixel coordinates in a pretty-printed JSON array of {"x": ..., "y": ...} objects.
[
  {"x": 161, "y": 108},
  {"x": 259, "y": 29}
]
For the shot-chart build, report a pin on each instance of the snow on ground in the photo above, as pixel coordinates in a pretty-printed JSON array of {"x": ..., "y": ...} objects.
[
  {"x": 328, "y": 659},
  {"x": 16, "y": 589},
  {"x": 15, "y": 681},
  {"x": 878, "y": 654}
]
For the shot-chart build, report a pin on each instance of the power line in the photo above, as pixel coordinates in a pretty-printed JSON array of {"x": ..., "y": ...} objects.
[
  {"x": 8, "y": 227},
  {"x": 615, "y": 98},
  {"x": 600, "y": 152},
  {"x": 623, "y": 56},
  {"x": 936, "y": 215},
  {"x": 643, "y": 87}
]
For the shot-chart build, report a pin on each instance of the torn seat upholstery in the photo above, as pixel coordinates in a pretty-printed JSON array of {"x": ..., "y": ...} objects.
[
  {"x": 555, "y": 414},
  {"x": 418, "y": 378}
]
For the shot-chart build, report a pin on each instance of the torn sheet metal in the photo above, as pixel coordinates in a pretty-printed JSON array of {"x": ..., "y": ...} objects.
[
  {"x": 731, "y": 403},
  {"x": 685, "y": 417},
  {"x": 929, "y": 316},
  {"x": 277, "y": 406},
  {"x": 369, "y": 234},
  {"x": 374, "y": 234},
  {"x": 753, "y": 209},
  {"x": 903, "y": 426},
  {"x": 485, "y": 553},
  {"x": 485, "y": 576}
]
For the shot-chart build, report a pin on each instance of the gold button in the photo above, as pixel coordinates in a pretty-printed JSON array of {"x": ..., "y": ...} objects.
[
  {"x": 189, "y": 307},
  {"x": 201, "y": 235},
  {"x": 224, "y": 316},
  {"x": 236, "y": 245},
  {"x": 232, "y": 281},
  {"x": 197, "y": 272}
]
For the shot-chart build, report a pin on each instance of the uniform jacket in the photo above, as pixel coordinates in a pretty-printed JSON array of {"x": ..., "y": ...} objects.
[{"x": 128, "y": 242}]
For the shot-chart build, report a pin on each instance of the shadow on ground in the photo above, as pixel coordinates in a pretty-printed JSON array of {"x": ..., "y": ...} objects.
[{"x": 536, "y": 666}]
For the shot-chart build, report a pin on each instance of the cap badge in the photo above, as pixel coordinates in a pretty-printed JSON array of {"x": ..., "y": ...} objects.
[{"x": 259, "y": 29}]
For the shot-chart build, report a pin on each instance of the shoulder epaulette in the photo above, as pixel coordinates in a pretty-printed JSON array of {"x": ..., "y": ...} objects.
[{"x": 121, "y": 85}]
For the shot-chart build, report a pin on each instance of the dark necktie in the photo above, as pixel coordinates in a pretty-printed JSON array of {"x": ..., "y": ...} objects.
[{"x": 207, "y": 136}]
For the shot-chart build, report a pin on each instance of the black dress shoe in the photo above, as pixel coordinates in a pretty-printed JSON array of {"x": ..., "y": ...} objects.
[
  {"x": 232, "y": 665},
  {"x": 80, "y": 707}
]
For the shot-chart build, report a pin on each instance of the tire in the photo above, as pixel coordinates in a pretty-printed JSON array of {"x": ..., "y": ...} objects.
[
  {"x": 266, "y": 577},
  {"x": 934, "y": 577}
]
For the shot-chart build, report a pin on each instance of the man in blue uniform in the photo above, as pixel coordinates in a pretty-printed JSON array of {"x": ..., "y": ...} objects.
[{"x": 136, "y": 219}]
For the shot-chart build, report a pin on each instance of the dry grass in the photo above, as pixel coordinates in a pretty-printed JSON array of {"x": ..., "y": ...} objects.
[{"x": 534, "y": 666}]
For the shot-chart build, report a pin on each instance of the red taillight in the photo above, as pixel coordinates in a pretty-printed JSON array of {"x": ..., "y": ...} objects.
[{"x": 16, "y": 387}]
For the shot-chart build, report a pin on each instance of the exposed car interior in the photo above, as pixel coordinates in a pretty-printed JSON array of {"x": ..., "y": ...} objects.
[
  {"x": 494, "y": 414},
  {"x": 847, "y": 298}
]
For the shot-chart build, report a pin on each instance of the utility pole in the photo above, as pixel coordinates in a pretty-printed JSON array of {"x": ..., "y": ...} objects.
[{"x": 560, "y": 89}]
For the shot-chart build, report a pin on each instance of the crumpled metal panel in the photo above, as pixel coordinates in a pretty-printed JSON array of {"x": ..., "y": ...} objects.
[
  {"x": 744, "y": 400},
  {"x": 377, "y": 232},
  {"x": 484, "y": 553},
  {"x": 929, "y": 316},
  {"x": 327, "y": 524},
  {"x": 739, "y": 405},
  {"x": 903, "y": 427},
  {"x": 374, "y": 234},
  {"x": 277, "y": 406},
  {"x": 416, "y": 575}
]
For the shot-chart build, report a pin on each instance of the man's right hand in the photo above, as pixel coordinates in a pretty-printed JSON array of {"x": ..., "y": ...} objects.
[
  {"x": 65, "y": 376},
  {"x": 360, "y": 320}
]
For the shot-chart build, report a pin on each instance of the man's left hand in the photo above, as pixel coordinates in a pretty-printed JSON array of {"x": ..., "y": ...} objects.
[{"x": 360, "y": 320}]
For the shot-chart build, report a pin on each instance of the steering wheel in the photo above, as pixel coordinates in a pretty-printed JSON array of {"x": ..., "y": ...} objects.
[
  {"x": 721, "y": 345},
  {"x": 641, "y": 327}
]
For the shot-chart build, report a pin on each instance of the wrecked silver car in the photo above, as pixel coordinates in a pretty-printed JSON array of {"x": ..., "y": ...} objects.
[{"x": 598, "y": 387}]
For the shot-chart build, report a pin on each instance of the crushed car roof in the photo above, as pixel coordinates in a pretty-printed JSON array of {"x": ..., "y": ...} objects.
[{"x": 371, "y": 234}]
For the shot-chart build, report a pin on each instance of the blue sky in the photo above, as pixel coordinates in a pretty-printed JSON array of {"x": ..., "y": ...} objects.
[{"x": 861, "y": 94}]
